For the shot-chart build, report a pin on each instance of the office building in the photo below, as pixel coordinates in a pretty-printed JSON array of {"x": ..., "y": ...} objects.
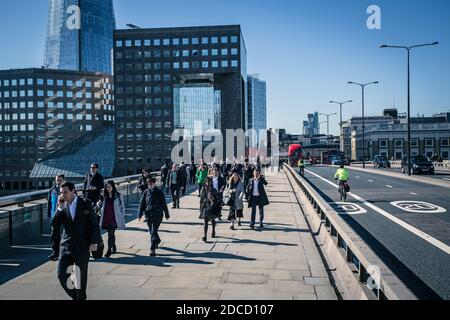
[
  {"x": 257, "y": 105},
  {"x": 170, "y": 78}
]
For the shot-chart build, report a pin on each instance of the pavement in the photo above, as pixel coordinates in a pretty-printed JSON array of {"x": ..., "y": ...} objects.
[
  {"x": 279, "y": 262},
  {"x": 405, "y": 222}
]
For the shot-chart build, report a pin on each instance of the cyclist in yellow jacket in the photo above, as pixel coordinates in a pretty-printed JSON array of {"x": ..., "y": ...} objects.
[{"x": 342, "y": 174}]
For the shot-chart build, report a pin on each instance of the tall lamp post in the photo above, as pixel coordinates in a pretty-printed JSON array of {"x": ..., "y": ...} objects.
[
  {"x": 328, "y": 120},
  {"x": 363, "y": 86},
  {"x": 340, "y": 123},
  {"x": 408, "y": 50}
]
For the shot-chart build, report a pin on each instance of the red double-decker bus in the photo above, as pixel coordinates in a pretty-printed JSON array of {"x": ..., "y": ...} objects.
[{"x": 295, "y": 153}]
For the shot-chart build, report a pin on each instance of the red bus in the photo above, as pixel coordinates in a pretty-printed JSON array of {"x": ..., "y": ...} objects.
[{"x": 295, "y": 154}]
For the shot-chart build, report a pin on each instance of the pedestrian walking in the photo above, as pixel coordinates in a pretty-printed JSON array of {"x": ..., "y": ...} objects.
[
  {"x": 210, "y": 207},
  {"x": 201, "y": 176},
  {"x": 93, "y": 184},
  {"x": 235, "y": 189},
  {"x": 81, "y": 236},
  {"x": 153, "y": 205},
  {"x": 52, "y": 205},
  {"x": 183, "y": 177},
  {"x": 247, "y": 174},
  {"x": 192, "y": 173},
  {"x": 164, "y": 176},
  {"x": 219, "y": 184},
  {"x": 174, "y": 183},
  {"x": 257, "y": 197},
  {"x": 112, "y": 215}
]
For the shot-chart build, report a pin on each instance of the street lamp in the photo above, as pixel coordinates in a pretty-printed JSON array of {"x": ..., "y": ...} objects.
[
  {"x": 328, "y": 120},
  {"x": 363, "y": 86},
  {"x": 340, "y": 123},
  {"x": 408, "y": 50}
]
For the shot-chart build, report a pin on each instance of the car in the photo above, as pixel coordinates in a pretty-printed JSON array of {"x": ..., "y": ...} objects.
[
  {"x": 381, "y": 162},
  {"x": 419, "y": 164},
  {"x": 336, "y": 161},
  {"x": 307, "y": 163}
]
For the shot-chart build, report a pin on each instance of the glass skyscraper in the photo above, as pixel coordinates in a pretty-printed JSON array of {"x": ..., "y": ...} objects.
[
  {"x": 257, "y": 106},
  {"x": 80, "y": 35}
]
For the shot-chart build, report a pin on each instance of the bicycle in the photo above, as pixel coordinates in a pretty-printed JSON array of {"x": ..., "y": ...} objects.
[
  {"x": 302, "y": 171},
  {"x": 343, "y": 190}
]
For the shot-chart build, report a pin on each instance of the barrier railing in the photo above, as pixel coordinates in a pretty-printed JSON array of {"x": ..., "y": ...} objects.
[
  {"x": 359, "y": 257},
  {"x": 23, "y": 217}
]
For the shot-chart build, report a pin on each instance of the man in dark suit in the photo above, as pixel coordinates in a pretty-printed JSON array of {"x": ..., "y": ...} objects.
[
  {"x": 52, "y": 204},
  {"x": 93, "y": 184},
  {"x": 257, "y": 197},
  {"x": 174, "y": 182},
  {"x": 164, "y": 175},
  {"x": 80, "y": 237},
  {"x": 192, "y": 173},
  {"x": 247, "y": 174},
  {"x": 153, "y": 205},
  {"x": 182, "y": 172},
  {"x": 219, "y": 184}
]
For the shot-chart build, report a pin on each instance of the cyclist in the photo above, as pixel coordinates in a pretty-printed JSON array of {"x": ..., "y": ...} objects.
[
  {"x": 342, "y": 175},
  {"x": 301, "y": 165}
]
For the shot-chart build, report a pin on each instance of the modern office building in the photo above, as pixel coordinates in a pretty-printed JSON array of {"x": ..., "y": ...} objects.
[
  {"x": 41, "y": 112},
  {"x": 172, "y": 78},
  {"x": 257, "y": 105},
  {"x": 80, "y": 35},
  {"x": 311, "y": 126}
]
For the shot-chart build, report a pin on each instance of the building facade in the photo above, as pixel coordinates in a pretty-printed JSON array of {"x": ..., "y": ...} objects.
[
  {"x": 257, "y": 106},
  {"x": 80, "y": 35},
  {"x": 430, "y": 136},
  {"x": 165, "y": 76},
  {"x": 42, "y": 111}
]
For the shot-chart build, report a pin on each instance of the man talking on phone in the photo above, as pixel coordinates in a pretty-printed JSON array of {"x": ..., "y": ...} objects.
[{"x": 80, "y": 237}]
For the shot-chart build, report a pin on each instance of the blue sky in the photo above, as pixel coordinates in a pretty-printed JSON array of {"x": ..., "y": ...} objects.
[{"x": 305, "y": 50}]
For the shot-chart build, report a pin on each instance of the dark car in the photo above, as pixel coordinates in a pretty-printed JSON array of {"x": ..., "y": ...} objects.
[
  {"x": 381, "y": 162},
  {"x": 419, "y": 164}
]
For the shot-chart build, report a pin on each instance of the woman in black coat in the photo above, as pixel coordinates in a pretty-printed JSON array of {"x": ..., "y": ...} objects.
[{"x": 210, "y": 208}]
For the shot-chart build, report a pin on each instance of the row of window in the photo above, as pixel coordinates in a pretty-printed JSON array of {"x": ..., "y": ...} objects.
[
  {"x": 176, "y": 65},
  {"x": 51, "y": 94},
  {"x": 176, "y": 41},
  {"x": 147, "y": 136},
  {"x": 31, "y": 127},
  {"x": 428, "y": 142},
  {"x": 59, "y": 83},
  {"x": 146, "y": 113},
  {"x": 135, "y": 54},
  {"x": 143, "y": 78},
  {"x": 146, "y": 125},
  {"x": 144, "y": 102},
  {"x": 56, "y": 105}
]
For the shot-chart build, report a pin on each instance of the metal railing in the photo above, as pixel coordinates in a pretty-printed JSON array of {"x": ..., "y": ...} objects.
[
  {"x": 24, "y": 215},
  {"x": 360, "y": 258}
]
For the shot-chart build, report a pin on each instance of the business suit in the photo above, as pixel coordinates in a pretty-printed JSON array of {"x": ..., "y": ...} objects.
[
  {"x": 93, "y": 180},
  {"x": 175, "y": 187},
  {"x": 260, "y": 200},
  {"x": 154, "y": 206},
  {"x": 79, "y": 234},
  {"x": 52, "y": 203}
]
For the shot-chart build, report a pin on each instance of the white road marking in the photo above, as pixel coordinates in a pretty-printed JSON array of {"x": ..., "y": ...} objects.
[
  {"x": 348, "y": 208},
  {"x": 370, "y": 180},
  {"x": 9, "y": 264},
  {"x": 448, "y": 179},
  {"x": 435, "y": 242},
  {"x": 390, "y": 187},
  {"x": 358, "y": 177},
  {"x": 413, "y": 193},
  {"x": 418, "y": 207}
]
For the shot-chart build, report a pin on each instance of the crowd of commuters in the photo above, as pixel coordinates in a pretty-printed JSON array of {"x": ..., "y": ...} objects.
[{"x": 77, "y": 221}]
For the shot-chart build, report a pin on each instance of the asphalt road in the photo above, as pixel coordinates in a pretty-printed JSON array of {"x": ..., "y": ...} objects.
[
  {"x": 439, "y": 175},
  {"x": 415, "y": 245}
]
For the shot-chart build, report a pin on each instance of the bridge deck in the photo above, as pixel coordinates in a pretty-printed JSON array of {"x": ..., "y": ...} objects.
[{"x": 279, "y": 262}]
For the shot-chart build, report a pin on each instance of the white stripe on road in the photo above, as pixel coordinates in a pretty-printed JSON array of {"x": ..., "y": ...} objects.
[
  {"x": 413, "y": 193},
  {"x": 390, "y": 187},
  {"x": 358, "y": 177},
  {"x": 448, "y": 179},
  {"x": 370, "y": 180},
  {"x": 9, "y": 265},
  {"x": 396, "y": 220}
]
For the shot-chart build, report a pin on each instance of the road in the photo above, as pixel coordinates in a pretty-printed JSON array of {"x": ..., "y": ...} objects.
[
  {"x": 439, "y": 175},
  {"x": 415, "y": 245}
]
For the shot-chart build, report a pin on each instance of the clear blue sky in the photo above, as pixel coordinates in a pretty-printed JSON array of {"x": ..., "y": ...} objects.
[{"x": 305, "y": 50}]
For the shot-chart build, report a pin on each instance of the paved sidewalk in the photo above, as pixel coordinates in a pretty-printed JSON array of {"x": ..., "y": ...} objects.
[{"x": 278, "y": 262}]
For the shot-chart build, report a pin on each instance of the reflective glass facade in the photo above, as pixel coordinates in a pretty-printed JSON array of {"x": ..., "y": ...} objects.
[
  {"x": 195, "y": 106},
  {"x": 88, "y": 48},
  {"x": 257, "y": 105}
]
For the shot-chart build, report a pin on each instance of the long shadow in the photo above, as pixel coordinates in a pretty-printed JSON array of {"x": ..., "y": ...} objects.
[
  {"x": 408, "y": 277},
  {"x": 163, "y": 261},
  {"x": 266, "y": 243},
  {"x": 145, "y": 230},
  {"x": 209, "y": 254}
]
